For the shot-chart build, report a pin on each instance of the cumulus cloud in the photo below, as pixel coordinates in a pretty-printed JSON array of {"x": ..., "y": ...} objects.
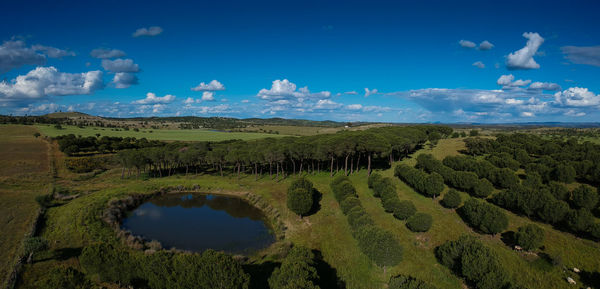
[
  {"x": 151, "y": 98},
  {"x": 208, "y": 96},
  {"x": 120, "y": 65},
  {"x": 351, "y": 92},
  {"x": 149, "y": 31},
  {"x": 124, "y": 79},
  {"x": 214, "y": 85},
  {"x": 508, "y": 81},
  {"x": 14, "y": 54},
  {"x": 105, "y": 53},
  {"x": 327, "y": 104},
  {"x": 544, "y": 86},
  {"x": 485, "y": 45},
  {"x": 48, "y": 81},
  {"x": 589, "y": 55},
  {"x": 523, "y": 58},
  {"x": 189, "y": 100},
  {"x": 467, "y": 43},
  {"x": 479, "y": 64},
  {"x": 577, "y": 97},
  {"x": 286, "y": 90},
  {"x": 370, "y": 92}
]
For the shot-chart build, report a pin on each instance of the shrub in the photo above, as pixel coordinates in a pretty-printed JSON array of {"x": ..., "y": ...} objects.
[
  {"x": 585, "y": 196},
  {"x": 595, "y": 231},
  {"x": 559, "y": 191},
  {"x": 343, "y": 190},
  {"x": 391, "y": 204},
  {"x": 300, "y": 200},
  {"x": 404, "y": 210},
  {"x": 482, "y": 188},
  {"x": 554, "y": 211},
  {"x": 64, "y": 278},
  {"x": 301, "y": 183},
  {"x": 471, "y": 259},
  {"x": 34, "y": 245},
  {"x": 434, "y": 185},
  {"x": 564, "y": 173},
  {"x": 408, "y": 282},
  {"x": 419, "y": 222},
  {"x": 483, "y": 216},
  {"x": 579, "y": 220},
  {"x": 358, "y": 217},
  {"x": 348, "y": 204},
  {"x": 530, "y": 237},
  {"x": 296, "y": 271},
  {"x": 451, "y": 199},
  {"x": 373, "y": 179},
  {"x": 379, "y": 245}
]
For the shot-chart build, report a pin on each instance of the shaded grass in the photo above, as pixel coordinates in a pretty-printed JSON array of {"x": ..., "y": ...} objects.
[{"x": 154, "y": 134}]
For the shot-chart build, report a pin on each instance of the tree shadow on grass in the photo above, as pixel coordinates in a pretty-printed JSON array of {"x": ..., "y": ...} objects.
[
  {"x": 590, "y": 278},
  {"x": 508, "y": 238},
  {"x": 317, "y": 196},
  {"x": 328, "y": 277}
]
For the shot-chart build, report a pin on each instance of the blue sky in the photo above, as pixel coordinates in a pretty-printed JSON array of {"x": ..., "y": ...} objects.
[{"x": 421, "y": 61}]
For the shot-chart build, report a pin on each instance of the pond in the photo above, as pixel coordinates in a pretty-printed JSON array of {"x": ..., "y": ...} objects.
[{"x": 197, "y": 222}]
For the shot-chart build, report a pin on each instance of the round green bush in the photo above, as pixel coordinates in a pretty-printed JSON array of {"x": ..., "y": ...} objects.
[
  {"x": 404, "y": 210},
  {"x": 300, "y": 201},
  {"x": 482, "y": 188},
  {"x": 419, "y": 222},
  {"x": 530, "y": 237},
  {"x": 585, "y": 196},
  {"x": 451, "y": 199},
  {"x": 595, "y": 231}
]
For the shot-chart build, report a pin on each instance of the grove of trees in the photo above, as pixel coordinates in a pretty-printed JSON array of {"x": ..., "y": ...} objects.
[
  {"x": 297, "y": 271},
  {"x": 483, "y": 216},
  {"x": 430, "y": 185}
]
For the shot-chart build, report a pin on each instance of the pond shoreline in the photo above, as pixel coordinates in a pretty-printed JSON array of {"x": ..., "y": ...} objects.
[{"x": 117, "y": 209}]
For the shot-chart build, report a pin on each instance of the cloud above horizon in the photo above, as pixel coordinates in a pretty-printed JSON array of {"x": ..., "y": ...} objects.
[
  {"x": 589, "y": 55},
  {"x": 214, "y": 85},
  {"x": 15, "y": 54},
  {"x": 105, "y": 53},
  {"x": 523, "y": 58},
  {"x": 149, "y": 31}
]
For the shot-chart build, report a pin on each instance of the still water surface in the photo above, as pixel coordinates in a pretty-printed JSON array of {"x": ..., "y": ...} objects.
[{"x": 197, "y": 222}]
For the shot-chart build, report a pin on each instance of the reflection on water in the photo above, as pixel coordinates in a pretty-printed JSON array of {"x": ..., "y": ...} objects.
[{"x": 201, "y": 221}]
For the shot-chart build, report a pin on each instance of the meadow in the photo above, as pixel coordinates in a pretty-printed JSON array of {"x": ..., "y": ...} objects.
[
  {"x": 154, "y": 134},
  {"x": 75, "y": 224}
]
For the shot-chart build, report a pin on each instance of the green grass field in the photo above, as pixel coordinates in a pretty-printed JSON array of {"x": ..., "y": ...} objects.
[
  {"x": 154, "y": 134},
  {"x": 24, "y": 174},
  {"x": 75, "y": 224}
]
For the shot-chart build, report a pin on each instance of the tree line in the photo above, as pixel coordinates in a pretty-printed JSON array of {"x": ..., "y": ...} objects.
[
  {"x": 347, "y": 151},
  {"x": 377, "y": 244},
  {"x": 385, "y": 189},
  {"x": 72, "y": 145}
]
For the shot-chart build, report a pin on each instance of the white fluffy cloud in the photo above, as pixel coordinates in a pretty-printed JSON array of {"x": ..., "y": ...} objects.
[
  {"x": 370, "y": 92},
  {"x": 354, "y": 106},
  {"x": 120, "y": 65},
  {"x": 208, "y": 96},
  {"x": 14, "y": 54},
  {"x": 509, "y": 81},
  {"x": 150, "y": 31},
  {"x": 214, "y": 85},
  {"x": 124, "y": 79},
  {"x": 106, "y": 53},
  {"x": 327, "y": 104},
  {"x": 48, "y": 81},
  {"x": 479, "y": 64},
  {"x": 589, "y": 55},
  {"x": 485, "y": 45},
  {"x": 151, "y": 98},
  {"x": 467, "y": 43},
  {"x": 286, "y": 90},
  {"x": 577, "y": 97},
  {"x": 523, "y": 58}
]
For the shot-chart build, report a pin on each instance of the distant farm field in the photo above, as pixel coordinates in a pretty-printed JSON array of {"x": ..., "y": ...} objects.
[{"x": 154, "y": 134}]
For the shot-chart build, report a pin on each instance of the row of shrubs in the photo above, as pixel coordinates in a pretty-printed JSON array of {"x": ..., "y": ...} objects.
[
  {"x": 483, "y": 216},
  {"x": 379, "y": 245},
  {"x": 471, "y": 259},
  {"x": 461, "y": 180},
  {"x": 89, "y": 163},
  {"x": 547, "y": 203},
  {"x": 430, "y": 185},
  {"x": 503, "y": 178},
  {"x": 385, "y": 189}
]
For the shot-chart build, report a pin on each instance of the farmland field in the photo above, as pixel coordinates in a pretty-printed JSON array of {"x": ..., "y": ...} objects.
[{"x": 154, "y": 134}]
